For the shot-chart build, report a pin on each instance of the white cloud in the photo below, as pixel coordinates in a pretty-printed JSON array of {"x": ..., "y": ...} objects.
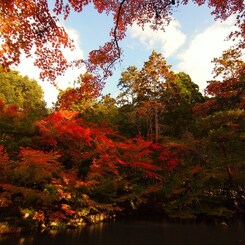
[
  {"x": 26, "y": 67},
  {"x": 203, "y": 47},
  {"x": 168, "y": 41}
]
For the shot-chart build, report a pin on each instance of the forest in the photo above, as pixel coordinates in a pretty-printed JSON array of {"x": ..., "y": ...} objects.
[{"x": 160, "y": 147}]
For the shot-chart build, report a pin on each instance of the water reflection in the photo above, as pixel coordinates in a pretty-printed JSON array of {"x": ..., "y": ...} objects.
[{"x": 139, "y": 232}]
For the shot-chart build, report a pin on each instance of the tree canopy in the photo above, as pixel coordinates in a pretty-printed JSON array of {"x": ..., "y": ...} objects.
[
  {"x": 21, "y": 91},
  {"x": 160, "y": 145},
  {"x": 32, "y": 26},
  {"x": 22, "y": 105}
]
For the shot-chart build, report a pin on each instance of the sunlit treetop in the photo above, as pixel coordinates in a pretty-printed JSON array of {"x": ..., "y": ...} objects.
[
  {"x": 31, "y": 26},
  {"x": 87, "y": 89},
  {"x": 228, "y": 91}
]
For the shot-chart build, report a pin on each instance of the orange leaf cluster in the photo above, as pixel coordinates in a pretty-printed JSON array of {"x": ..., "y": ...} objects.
[
  {"x": 88, "y": 88},
  {"x": 29, "y": 25}
]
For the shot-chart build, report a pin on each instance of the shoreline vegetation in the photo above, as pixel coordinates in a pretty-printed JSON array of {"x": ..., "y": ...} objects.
[
  {"x": 28, "y": 225},
  {"x": 53, "y": 228}
]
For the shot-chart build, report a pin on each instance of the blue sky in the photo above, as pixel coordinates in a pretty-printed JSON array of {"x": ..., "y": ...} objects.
[{"x": 189, "y": 44}]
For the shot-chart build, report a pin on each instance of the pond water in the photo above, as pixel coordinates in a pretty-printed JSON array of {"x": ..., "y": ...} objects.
[{"x": 138, "y": 232}]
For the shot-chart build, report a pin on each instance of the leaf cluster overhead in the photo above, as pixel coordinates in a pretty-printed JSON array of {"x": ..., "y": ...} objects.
[{"x": 33, "y": 26}]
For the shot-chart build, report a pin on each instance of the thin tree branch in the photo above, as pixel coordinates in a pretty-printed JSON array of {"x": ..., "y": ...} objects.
[
  {"x": 116, "y": 26},
  {"x": 115, "y": 40}
]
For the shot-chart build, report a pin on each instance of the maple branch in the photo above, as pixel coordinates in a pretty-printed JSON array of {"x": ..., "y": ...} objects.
[
  {"x": 115, "y": 41},
  {"x": 116, "y": 26},
  {"x": 116, "y": 33}
]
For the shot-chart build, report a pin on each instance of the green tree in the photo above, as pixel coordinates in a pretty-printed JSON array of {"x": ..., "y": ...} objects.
[
  {"x": 100, "y": 110},
  {"x": 129, "y": 124},
  {"x": 86, "y": 100},
  {"x": 153, "y": 77},
  {"x": 22, "y": 92},
  {"x": 155, "y": 101},
  {"x": 141, "y": 93},
  {"x": 221, "y": 127},
  {"x": 21, "y": 107},
  {"x": 209, "y": 180},
  {"x": 178, "y": 98},
  {"x": 128, "y": 86},
  {"x": 104, "y": 110}
]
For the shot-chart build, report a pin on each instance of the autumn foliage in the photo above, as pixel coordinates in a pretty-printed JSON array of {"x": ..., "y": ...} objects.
[
  {"x": 104, "y": 150},
  {"x": 168, "y": 149},
  {"x": 76, "y": 165},
  {"x": 31, "y": 26}
]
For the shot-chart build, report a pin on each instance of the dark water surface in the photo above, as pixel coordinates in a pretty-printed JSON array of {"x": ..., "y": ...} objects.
[{"x": 138, "y": 232}]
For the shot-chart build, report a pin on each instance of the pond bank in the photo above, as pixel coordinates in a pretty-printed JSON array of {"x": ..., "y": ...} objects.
[
  {"x": 80, "y": 221},
  {"x": 138, "y": 232},
  {"x": 26, "y": 226}
]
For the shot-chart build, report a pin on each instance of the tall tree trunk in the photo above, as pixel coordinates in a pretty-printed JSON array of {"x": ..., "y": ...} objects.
[
  {"x": 156, "y": 124},
  {"x": 228, "y": 169}
]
